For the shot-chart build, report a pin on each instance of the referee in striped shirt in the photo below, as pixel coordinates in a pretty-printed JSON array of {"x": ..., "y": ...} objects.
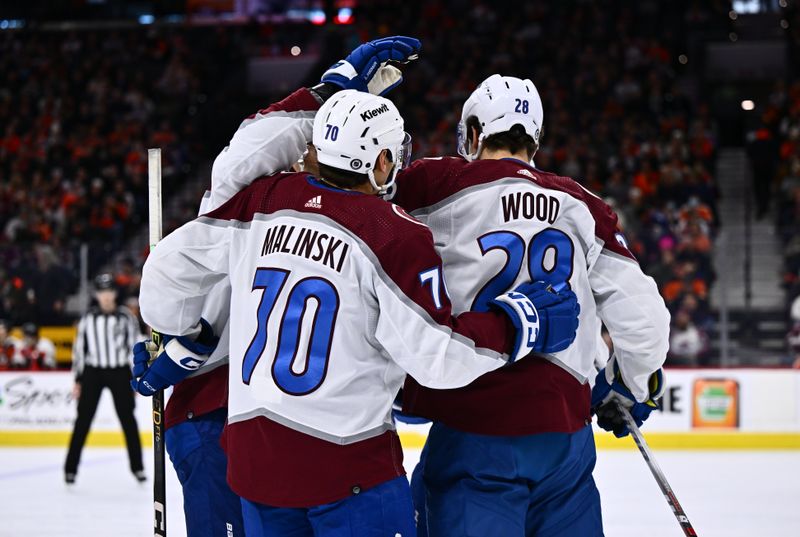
[{"x": 100, "y": 359}]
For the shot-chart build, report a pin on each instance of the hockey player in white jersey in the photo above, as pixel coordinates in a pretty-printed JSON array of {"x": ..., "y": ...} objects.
[
  {"x": 497, "y": 220},
  {"x": 335, "y": 295},
  {"x": 197, "y": 409},
  {"x": 194, "y": 418}
]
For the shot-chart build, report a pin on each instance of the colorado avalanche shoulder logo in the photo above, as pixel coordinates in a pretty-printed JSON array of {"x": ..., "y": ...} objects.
[
  {"x": 405, "y": 216},
  {"x": 621, "y": 240}
]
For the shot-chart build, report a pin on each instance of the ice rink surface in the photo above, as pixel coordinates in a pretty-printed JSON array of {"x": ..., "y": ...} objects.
[{"x": 725, "y": 494}]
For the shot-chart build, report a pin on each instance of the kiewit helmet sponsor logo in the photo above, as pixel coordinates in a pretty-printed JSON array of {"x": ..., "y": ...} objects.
[{"x": 369, "y": 114}]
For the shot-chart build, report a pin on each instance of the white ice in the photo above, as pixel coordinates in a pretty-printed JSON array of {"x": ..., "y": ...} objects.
[{"x": 725, "y": 494}]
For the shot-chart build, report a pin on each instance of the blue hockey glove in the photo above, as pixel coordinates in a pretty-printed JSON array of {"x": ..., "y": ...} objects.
[
  {"x": 558, "y": 315},
  {"x": 609, "y": 388},
  {"x": 365, "y": 68},
  {"x": 181, "y": 356},
  {"x": 546, "y": 320}
]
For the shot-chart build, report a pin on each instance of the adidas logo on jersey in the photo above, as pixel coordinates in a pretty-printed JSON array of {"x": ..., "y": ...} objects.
[
  {"x": 314, "y": 203},
  {"x": 523, "y": 171}
]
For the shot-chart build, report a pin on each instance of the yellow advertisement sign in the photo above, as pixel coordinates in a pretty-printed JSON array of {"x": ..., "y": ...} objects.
[{"x": 61, "y": 336}]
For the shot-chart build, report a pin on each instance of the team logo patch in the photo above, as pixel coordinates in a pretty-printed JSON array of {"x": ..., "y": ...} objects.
[
  {"x": 356, "y": 164},
  {"x": 314, "y": 203},
  {"x": 405, "y": 216},
  {"x": 621, "y": 240}
]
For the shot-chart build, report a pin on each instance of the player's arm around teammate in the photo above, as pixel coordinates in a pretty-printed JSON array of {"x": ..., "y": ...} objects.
[
  {"x": 430, "y": 182},
  {"x": 376, "y": 314},
  {"x": 274, "y": 138}
]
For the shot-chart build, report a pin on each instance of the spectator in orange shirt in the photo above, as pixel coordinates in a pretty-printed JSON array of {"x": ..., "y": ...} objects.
[{"x": 684, "y": 281}]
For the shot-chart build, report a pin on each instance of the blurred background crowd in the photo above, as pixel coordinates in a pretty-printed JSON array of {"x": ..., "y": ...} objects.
[
  {"x": 787, "y": 126},
  {"x": 627, "y": 114}
]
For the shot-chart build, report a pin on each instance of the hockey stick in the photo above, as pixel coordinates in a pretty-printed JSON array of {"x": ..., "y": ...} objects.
[
  {"x": 655, "y": 469},
  {"x": 159, "y": 470}
]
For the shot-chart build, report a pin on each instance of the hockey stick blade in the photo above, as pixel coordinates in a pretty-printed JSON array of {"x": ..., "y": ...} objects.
[{"x": 655, "y": 469}]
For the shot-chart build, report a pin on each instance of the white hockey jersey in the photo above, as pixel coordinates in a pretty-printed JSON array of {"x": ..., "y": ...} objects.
[
  {"x": 335, "y": 295},
  {"x": 498, "y": 223}
]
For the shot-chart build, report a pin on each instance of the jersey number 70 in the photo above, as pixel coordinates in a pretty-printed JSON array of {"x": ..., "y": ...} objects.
[{"x": 272, "y": 280}]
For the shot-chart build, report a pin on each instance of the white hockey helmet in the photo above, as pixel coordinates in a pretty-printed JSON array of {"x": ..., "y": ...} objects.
[
  {"x": 499, "y": 103},
  {"x": 352, "y": 128}
]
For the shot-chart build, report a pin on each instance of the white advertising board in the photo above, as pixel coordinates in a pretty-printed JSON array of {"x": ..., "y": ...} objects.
[
  {"x": 753, "y": 400},
  {"x": 43, "y": 401},
  {"x": 709, "y": 408}
]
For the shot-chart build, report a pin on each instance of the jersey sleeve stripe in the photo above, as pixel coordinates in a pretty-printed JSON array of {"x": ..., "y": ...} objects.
[{"x": 300, "y": 101}]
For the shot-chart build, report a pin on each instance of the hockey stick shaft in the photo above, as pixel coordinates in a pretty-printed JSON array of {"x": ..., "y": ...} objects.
[
  {"x": 655, "y": 469},
  {"x": 159, "y": 470}
]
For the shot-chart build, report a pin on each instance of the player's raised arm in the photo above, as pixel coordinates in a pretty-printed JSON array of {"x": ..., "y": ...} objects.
[
  {"x": 276, "y": 137},
  {"x": 267, "y": 142}
]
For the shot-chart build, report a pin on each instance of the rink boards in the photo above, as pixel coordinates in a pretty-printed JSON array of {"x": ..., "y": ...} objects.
[{"x": 702, "y": 409}]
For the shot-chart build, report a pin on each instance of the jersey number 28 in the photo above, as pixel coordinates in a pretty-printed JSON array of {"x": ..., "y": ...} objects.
[
  {"x": 544, "y": 242},
  {"x": 272, "y": 280}
]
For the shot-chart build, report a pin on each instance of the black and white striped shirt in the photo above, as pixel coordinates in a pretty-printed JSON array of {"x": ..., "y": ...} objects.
[{"x": 104, "y": 340}]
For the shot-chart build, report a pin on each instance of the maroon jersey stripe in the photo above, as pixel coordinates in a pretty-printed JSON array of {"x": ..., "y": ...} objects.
[
  {"x": 311, "y": 471},
  {"x": 196, "y": 396},
  {"x": 298, "y": 101}
]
